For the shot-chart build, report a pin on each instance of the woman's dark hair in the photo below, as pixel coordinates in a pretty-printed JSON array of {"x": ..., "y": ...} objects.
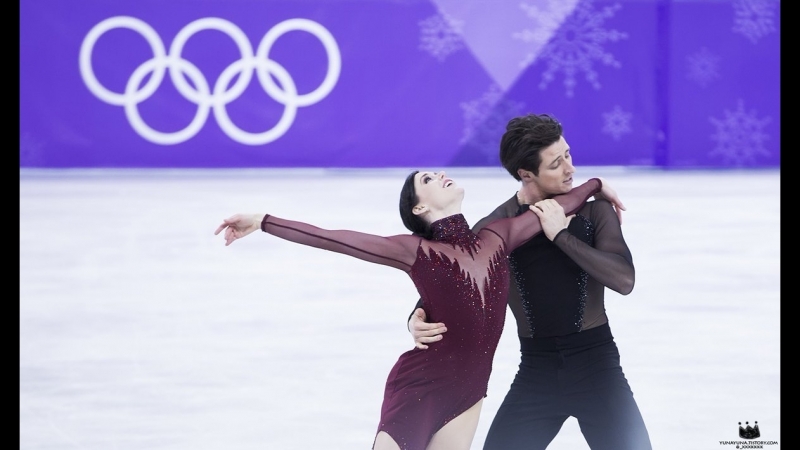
[{"x": 408, "y": 200}]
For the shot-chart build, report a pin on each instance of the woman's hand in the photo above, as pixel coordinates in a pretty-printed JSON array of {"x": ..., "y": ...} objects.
[
  {"x": 238, "y": 226},
  {"x": 610, "y": 195}
]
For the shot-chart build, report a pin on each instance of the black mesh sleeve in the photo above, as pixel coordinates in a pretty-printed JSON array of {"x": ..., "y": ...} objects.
[{"x": 609, "y": 261}]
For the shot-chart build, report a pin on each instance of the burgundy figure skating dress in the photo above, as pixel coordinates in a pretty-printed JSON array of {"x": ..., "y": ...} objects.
[{"x": 463, "y": 280}]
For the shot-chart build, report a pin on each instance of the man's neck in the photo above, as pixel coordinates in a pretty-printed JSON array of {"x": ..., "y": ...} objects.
[{"x": 529, "y": 194}]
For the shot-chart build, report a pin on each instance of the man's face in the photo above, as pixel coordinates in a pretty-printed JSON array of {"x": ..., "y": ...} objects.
[{"x": 556, "y": 169}]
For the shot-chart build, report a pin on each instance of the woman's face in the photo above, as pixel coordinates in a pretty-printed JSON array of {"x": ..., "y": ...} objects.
[{"x": 437, "y": 191}]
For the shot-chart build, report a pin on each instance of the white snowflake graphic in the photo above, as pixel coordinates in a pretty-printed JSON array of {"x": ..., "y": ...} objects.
[
  {"x": 548, "y": 20},
  {"x": 702, "y": 67},
  {"x": 754, "y": 18},
  {"x": 617, "y": 122},
  {"x": 476, "y": 111},
  {"x": 485, "y": 120},
  {"x": 739, "y": 136},
  {"x": 577, "y": 43},
  {"x": 441, "y": 35}
]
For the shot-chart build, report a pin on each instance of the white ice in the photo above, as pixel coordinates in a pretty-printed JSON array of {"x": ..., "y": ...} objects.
[{"x": 141, "y": 330}]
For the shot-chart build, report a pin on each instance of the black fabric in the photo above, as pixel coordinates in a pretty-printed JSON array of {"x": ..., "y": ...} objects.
[
  {"x": 579, "y": 376},
  {"x": 560, "y": 283}
]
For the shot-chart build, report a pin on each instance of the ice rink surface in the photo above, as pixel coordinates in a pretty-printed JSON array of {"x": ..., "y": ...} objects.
[{"x": 140, "y": 330}]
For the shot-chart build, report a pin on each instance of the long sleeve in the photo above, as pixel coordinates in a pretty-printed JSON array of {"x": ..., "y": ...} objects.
[
  {"x": 518, "y": 230},
  {"x": 609, "y": 261},
  {"x": 394, "y": 251}
]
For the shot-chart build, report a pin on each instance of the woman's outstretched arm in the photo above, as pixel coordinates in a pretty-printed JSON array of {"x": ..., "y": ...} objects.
[{"x": 395, "y": 251}]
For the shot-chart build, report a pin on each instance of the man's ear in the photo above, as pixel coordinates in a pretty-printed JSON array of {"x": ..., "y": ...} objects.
[
  {"x": 419, "y": 209},
  {"x": 525, "y": 175}
]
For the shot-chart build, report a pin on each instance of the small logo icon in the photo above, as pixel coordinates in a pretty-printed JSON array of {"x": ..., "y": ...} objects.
[{"x": 748, "y": 432}]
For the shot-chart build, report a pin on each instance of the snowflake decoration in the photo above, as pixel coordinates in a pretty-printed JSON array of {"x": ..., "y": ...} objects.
[
  {"x": 441, "y": 35},
  {"x": 476, "y": 111},
  {"x": 702, "y": 67},
  {"x": 548, "y": 21},
  {"x": 754, "y": 18},
  {"x": 485, "y": 120},
  {"x": 576, "y": 43},
  {"x": 617, "y": 122},
  {"x": 740, "y": 137}
]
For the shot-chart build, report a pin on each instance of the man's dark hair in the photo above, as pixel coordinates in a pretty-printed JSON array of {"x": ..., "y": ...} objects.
[
  {"x": 408, "y": 200},
  {"x": 525, "y": 138}
]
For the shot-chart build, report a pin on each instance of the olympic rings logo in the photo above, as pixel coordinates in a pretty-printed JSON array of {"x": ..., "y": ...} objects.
[{"x": 201, "y": 94}]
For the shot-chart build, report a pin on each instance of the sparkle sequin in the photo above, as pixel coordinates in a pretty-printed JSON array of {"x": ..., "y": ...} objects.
[
  {"x": 463, "y": 279},
  {"x": 454, "y": 230},
  {"x": 583, "y": 277},
  {"x": 524, "y": 297},
  {"x": 553, "y": 289}
]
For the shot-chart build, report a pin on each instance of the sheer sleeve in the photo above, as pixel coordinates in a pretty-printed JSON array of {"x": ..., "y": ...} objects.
[
  {"x": 609, "y": 261},
  {"x": 394, "y": 251},
  {"x": 518, "y": 230}
]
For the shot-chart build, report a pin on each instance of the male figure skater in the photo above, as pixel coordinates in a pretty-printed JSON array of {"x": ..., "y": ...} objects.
[{"x": 570, "y": 364}]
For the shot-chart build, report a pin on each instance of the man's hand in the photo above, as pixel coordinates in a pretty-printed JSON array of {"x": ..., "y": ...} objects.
[
  {"x": 609, "y": 194},
  {"x": 424, "y": 332},
  {"x": 551, "y": 215},
  {"x": 238, "y": 226}
]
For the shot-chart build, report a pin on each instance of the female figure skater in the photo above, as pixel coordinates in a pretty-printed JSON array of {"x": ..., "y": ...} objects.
[{"x": 432, "y": 400}]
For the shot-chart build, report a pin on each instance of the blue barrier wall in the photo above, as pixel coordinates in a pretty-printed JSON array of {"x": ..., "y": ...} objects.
[{"x": 395, "y": 83}]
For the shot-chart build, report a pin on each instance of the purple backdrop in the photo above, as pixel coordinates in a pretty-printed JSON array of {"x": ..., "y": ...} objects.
[{"x": 395, "y": 83}]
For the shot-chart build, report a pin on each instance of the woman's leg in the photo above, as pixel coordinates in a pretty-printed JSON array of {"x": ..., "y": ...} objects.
[
  {"x": 384, "y": 442},
  {"x": 459, "y": 432}
]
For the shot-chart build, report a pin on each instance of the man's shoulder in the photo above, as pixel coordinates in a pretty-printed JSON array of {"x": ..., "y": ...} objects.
[
  {"x": 506, "y": 209},
  {"x": 599, "y": 211},
  {"x": 598, "y": 204}
]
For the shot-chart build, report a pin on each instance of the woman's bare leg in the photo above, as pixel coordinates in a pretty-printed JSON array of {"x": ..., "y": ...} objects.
[
  {"x": 384, "y": 442},
  {"x": 459, "y": 432}
]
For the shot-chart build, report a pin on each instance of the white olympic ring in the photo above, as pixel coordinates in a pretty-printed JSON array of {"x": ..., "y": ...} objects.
[{"x": 201, "y": 94}]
